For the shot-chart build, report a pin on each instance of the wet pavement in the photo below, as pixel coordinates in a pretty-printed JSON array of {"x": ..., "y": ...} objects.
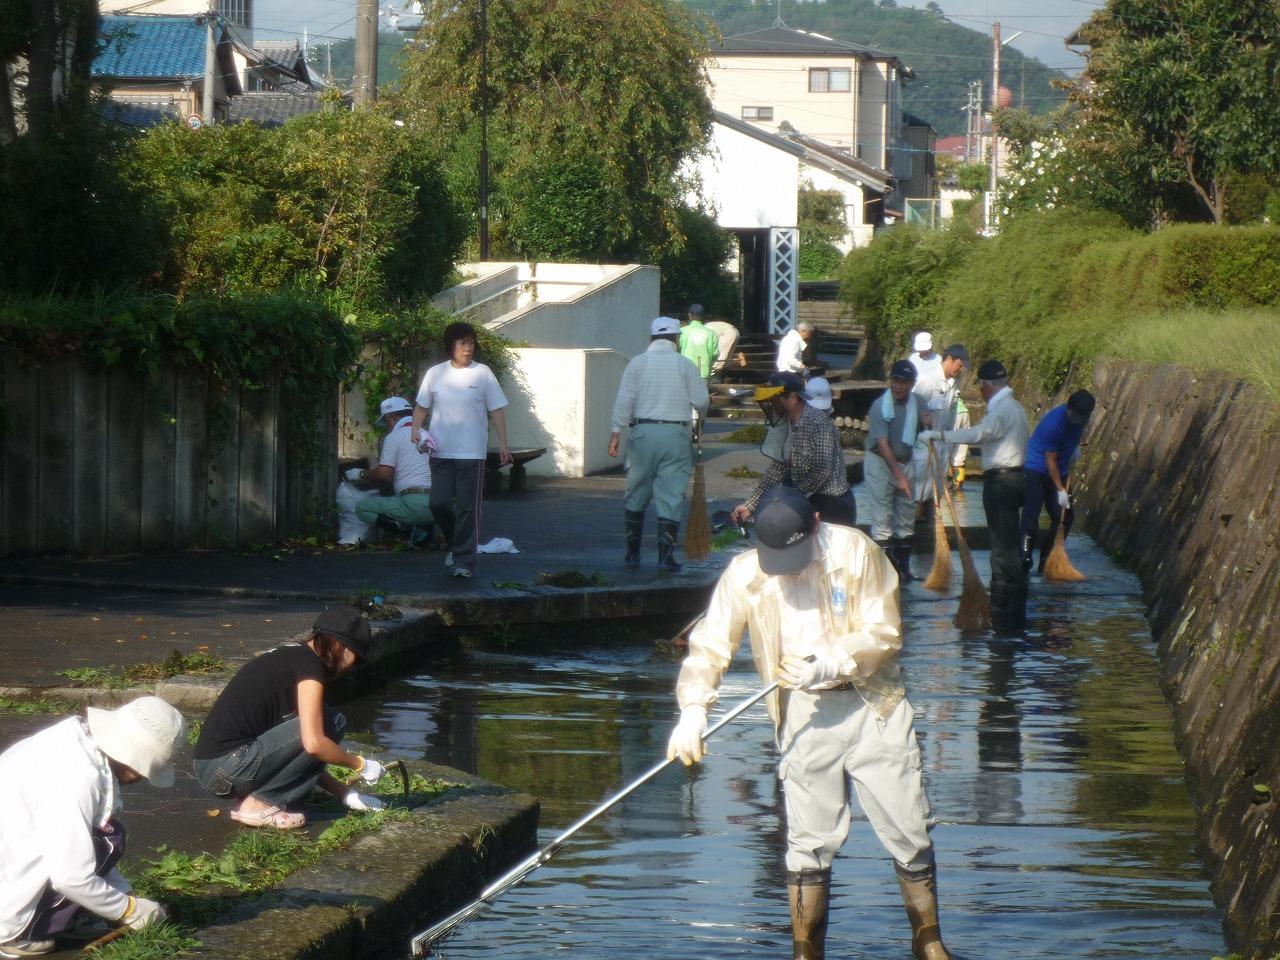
[{"x": 1065, "y": 827}]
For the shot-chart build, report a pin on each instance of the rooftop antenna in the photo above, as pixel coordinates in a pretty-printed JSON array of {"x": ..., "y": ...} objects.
[{"x": 777, "y": 21}]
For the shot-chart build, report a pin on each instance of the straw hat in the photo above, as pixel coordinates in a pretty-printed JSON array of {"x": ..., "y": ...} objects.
[{"x": 142, "y": 735}]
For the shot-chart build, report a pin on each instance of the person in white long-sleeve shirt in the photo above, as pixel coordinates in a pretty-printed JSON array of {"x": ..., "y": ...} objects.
[
  {"x": 1002, "y": 435},
  {"x": 60, "y": 840},
  {"x": 791, "y": 349},
  {"x": 658, "y": 392}
]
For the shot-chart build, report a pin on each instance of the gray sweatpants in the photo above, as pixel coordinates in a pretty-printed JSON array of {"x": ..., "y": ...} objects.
[
  {"x": 893, "y": 513},
  {"x": 845, "y": 744},
  {"x": 659, "y": 464},
  {"x": 457, "y": 492}
]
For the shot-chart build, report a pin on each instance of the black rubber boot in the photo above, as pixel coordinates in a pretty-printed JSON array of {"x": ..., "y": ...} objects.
[
  {"x": 1046, "y": 547},
  {"x": 809, "y": 892},
  {"x": 920, "y": 897},
  {"x": 635, "y": 529},
  {"x": 902, "y": 558},
  {"x": 1028, "y": 546},
  {"x": 668, "y": 536},
  {"x": 999, "y": 606},
  {"x": 887, "y": 547}
]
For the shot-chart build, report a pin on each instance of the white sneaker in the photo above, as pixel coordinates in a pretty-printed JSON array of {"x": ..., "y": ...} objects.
[
  {"x": 26, "y": 948},
  {"x": 448, "y": 559},
  {"x": 462, "y": 572}
]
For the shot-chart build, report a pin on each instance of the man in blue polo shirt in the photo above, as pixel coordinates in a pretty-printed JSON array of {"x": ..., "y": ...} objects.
[{"x": 1050, "y": 451}]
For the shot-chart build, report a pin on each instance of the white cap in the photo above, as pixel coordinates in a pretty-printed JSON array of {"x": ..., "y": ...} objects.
[
  {"x": 664, "y": 326},
  {"x": 142, "y": 735},
  {"x": 395, "y": 405},
  {"x": 923, "y": 341},
  {"x": 818, "y": 393}
]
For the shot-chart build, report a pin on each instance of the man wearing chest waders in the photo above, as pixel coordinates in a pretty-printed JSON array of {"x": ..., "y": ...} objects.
[{"x": 820, "y": 603}]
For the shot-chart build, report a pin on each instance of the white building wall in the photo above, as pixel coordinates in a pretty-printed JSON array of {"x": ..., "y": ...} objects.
[
  {"x": 749, "y": 184},
  {"x": 783, "y": 84}
]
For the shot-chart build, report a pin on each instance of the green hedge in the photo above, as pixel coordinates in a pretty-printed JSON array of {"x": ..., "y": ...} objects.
[{"x": 1053, "y": 291}]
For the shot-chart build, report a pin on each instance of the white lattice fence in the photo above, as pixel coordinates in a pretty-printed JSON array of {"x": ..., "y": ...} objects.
[{"x": 784, "y": 255}]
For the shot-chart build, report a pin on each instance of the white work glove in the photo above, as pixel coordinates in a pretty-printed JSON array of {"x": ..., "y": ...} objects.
[
  {"x": 142, "y": 912},
  {"x": 372, "y": 771},
  {"x": 362, "y": 802},
  {"x": 353, "y": 475},
  {"x": 686, "y": 738},
  {"x": 924, "y": 436},
  {"x": 808, "y": 673},
  {"x": 1064, "y": 500}
]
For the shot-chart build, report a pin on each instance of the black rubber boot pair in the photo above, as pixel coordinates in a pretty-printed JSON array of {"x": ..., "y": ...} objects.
[
  {"x": 635, "y": 529},
  {"x": 668, "y": 534},
  {"x": 809, "y": 892}
]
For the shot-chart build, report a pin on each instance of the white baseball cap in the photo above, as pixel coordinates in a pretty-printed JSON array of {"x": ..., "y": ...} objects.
[
  {"x": 818, "y": 393},
  {"x": 923, "y": 341},
  {"x": 395, "y": 405},
  {"x": 664, "y": 326},
  {"x": 142, "y": 735}
]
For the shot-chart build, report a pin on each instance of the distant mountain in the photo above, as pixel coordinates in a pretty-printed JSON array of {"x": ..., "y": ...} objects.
[{"x": 944, "y": 55}]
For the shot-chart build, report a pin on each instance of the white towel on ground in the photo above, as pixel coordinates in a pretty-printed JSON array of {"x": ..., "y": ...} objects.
[{"x": 497, "y": 545}]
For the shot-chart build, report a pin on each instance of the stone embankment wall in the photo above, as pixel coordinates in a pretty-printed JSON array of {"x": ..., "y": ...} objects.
[{"x": 1180, "y": 482}]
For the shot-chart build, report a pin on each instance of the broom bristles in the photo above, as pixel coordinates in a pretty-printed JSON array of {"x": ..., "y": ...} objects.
[
  {"x": 974, "y": 612},
  {"x": 697, "y": 533},
  {"x": 1058, "y": 566},
  {"x": 940, "y": 575}
]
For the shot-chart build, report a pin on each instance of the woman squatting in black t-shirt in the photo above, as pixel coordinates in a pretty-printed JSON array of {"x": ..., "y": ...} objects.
[{"x": 269, "y": 735}]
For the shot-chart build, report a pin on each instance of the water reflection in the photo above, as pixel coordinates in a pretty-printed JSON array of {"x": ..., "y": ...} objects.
[{"x": 1066, "y": 830}]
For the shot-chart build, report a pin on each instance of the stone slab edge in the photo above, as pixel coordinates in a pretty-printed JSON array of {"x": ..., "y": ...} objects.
[{"x": 372, "y": 897}]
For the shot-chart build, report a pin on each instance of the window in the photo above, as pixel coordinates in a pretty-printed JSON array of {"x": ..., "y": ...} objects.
[
  {"x": 757, "y": 113},
  {"x": 829, "y": 80}
]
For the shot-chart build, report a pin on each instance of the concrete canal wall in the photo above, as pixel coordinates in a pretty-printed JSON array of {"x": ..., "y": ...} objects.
[{"x": 1180, "y": 482}]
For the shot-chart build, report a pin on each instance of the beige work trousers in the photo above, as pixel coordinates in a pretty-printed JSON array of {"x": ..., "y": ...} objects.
[{"x": 831, "y": 740}]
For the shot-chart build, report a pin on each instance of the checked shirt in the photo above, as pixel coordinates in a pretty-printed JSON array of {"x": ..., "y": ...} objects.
[{"x": 816, "y": 464}]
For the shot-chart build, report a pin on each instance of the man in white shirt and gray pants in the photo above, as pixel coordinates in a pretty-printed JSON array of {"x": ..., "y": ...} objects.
[
  {"x": 658, "y": 390},
  {"x": 1002, "y": 435}
]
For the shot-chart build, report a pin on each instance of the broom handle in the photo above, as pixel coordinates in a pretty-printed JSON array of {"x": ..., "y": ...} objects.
[{"x": 955, "y": 521}]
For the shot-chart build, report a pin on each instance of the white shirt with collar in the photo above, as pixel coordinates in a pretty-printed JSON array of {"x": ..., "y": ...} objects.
[
  {"x": 1002, "y": 434},
  {"x": 659, "y": 384},
  {"x": 791, "y": 353}
]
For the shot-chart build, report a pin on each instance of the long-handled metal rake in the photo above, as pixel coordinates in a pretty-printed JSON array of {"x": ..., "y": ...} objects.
[{"x": 422, "y": 942}]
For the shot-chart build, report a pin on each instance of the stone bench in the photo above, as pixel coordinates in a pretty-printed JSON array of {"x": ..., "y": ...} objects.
[{"x": 519, "y": 457}]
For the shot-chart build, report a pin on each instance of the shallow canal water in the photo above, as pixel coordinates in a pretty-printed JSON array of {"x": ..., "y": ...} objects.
[{"x": 1065, "y": 829}]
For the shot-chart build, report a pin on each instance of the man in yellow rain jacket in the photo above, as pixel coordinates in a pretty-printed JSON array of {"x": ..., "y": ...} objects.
[{"x": 820, "y": 604}]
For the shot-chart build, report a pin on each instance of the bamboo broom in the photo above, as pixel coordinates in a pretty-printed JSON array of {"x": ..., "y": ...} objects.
[
  {"x": 697, "y": 533},
  {"x": 974, "y": 612},
  {"x": 940, "y": 575},
  {"x": 1058, "y": 567}
]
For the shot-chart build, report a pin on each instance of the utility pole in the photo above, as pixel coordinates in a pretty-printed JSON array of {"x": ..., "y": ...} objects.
[
  {"x": 484, "y": 130},
  {"x": 993, "y": 155},
  {"x": 210, "y": 61},
  {"x": 365, "y": 83}
]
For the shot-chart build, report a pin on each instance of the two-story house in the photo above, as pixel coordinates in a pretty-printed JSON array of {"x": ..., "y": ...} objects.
[{"x": 831, "y": 92}]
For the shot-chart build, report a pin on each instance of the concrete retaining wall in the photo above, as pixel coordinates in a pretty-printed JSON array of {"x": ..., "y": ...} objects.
[
  {"x": 1180, "y": 482},
  {"x": 99, "y": 461}
]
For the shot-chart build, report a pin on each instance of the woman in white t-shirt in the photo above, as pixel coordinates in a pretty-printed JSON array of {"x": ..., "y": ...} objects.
[{"x": 460, "y": 396}]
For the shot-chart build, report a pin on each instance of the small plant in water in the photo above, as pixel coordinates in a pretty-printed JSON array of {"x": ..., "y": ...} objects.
[
  {"x": 504, "y": 635},
  {"x": 753, "y": 434},
  {"x": 743, "y": 472},
  {"x": 34, "y": 706},
  {"x": 573, "y": 578},
  {"x": 726, "y": 538}
]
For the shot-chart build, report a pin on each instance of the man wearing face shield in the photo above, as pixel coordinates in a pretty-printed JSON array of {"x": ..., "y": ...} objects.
[
  {"x": 889, "y": 466},
  {"x": 803, "y": 447}
]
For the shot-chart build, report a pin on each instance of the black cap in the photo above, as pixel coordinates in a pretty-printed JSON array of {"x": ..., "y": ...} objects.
[
  {"x": 695, "y": 310},
  {"x": 1082, "y": 403},
  {"x": 993, "y": 370},
  {"x": 958, "y": 351},
  {"x": 785, "y": 524},
  {"x": 903, "y": 370},
  {"x": 348, "y": 627},
  {"x": 789, "y": 382}
]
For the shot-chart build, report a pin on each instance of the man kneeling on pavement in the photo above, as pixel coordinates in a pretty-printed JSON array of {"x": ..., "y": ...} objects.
[
  {"x": 405, "y": 469},
  {"x": 60, "y": 839}
]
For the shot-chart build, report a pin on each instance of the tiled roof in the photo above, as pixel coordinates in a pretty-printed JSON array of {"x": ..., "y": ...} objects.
[
  {"x": 271, "y": 109},
  {"x": 157, "y": 47},
  {"x": 286, "y": 52},
  {"x": 787, "y": 40},
  {"x": 141, "y": 113}
]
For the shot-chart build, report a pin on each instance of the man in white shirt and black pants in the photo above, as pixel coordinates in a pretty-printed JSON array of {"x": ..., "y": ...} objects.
[
  {"x": 1002, "y": 435},
  {"x": 658, "y": 390}
]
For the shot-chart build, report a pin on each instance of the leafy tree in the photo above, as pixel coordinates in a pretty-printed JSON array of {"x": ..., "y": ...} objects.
[
  {"x": 1185, "y": 90},
  {"x": 593, "y": 106},
  {"x": 822, "y": 223},
  {"x": 695, "y": 272},
  {"x": 49, "y": 46}
]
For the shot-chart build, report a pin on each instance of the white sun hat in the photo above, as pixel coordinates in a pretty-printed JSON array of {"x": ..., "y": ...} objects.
[
  {"x": 142, "y": 735},
  {"x": 923, "y": 341}
]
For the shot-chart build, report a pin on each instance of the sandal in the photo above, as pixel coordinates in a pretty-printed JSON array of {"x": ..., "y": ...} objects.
[{"x": 273, "y": 817}]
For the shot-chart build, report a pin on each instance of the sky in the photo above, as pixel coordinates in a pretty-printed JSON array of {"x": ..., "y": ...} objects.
[{"x": 1044, "y": 22}]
